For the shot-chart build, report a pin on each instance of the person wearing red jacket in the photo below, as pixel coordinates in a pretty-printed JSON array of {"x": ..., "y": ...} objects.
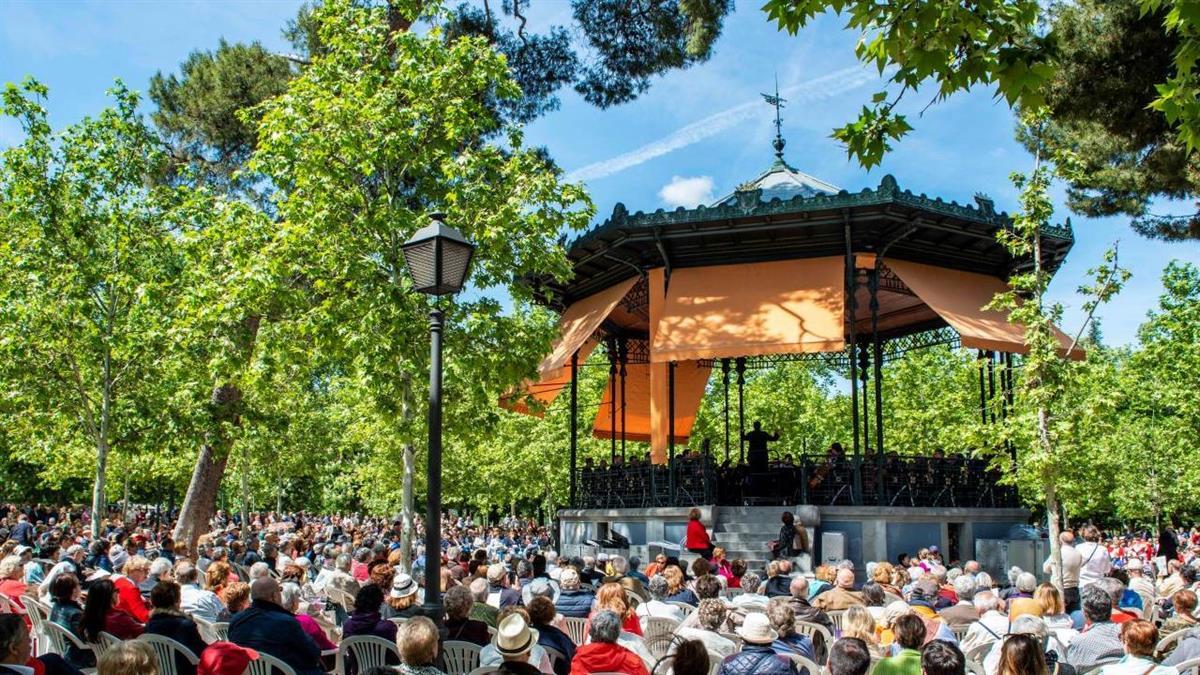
[
  {"x": 603, "y": 654},
  {"x": 129, "y": 596},
  {"x": 697, "y": 536}
]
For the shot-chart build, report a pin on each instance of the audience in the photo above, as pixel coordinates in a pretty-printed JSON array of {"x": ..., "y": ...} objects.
[{"x": 266, "y": 626}]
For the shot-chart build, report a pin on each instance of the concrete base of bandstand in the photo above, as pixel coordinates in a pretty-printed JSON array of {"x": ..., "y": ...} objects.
[{"x": 858, "y": 533}]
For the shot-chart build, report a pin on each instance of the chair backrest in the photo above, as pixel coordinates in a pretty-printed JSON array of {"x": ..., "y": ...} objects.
[
  {"x": 632, "y": 599},
  {"x": 206, "y": 628},
  {"x": 812, "y": 630},
  {"x": 367, "y": 651},
  {"x": 398, "y": 620},
  {"x": 576, "y": 628},
  {"x": 658, "y": 625},
  {"x": 734, "y": 638},
  {"x": 59, "y": 639},
  {"x": 977, "y": 653},
  {"x": 1168, "y": 643},
  {"x": 460, "y": 657},
  {"x": 1189, "y": 667},
  {"x": 714, "y": 662},
  {"x": 661, "y": 645},
  {"x": 106, "y": 642},
  {"x": 960, "y": 631},
  {"x": 555, "y": 656},
  {"x": 837, "y": 616},
  {"x": 687, "y": 609},
  {"x": 731, "y": 593},
  {"x": 492, "y": 631},
  {"x": 165, "y": 651},
  {"x": 803, "y": 662},
  {"x": 268, "y": 665}
]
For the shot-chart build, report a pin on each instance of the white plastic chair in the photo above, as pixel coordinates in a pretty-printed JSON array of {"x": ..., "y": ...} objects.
[
  {"x": 212, "y": 632},
  {"x": 59, "y": 640},
  {"x": 368, "y": 651},
  {"x": 687, "y": 609},
  {"x": 268, "y": 665},
  {"x": 460, "y": 657},
  {"x": 653, "y": 626},
  {"x": 165, "y": 651},
  {"x": 1168, "y": 643},
  {"x": 803, "y": 662},
  {"x": 714, "y": 662},
  {"x": 39, "y": 614},
  {"x": 576, "y": 628},
  {"x": 812, "y": 630},
  {"x": 960, "y": 631},
  {"x": 837, "y": 617},
  {"x": 1189, "y": 667},
  {"x": 106, "y": 642}
]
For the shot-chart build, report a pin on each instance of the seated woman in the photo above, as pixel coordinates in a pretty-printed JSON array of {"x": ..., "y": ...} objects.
[
  {"x": 365, "y": 618},
  {"x": 676, "y": 590},
  {"x": 459, "y": 624},
  {"x": 101, "y": 614},
  {"x": 66, "y": 612},
  {"x": 611, "y": 596},
  {"x": 292, "y": 594},
  {"x": 859, "y": 622},
  {"x": 168, "y": 620},
  {"x": 401, "y": 601},
  {"x": 1138, "y": 638},
  {"x": 418, "y": 644},
  {"x": 1184, "y": 603},
  {"x": 541, "y": 618}
]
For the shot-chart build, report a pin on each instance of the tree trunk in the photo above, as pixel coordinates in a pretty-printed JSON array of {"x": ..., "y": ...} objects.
[
  {"x": 99, "y": 507},
  {"x": 246, "y": 533},
  {"x": 125, "y": 501},
  {"x": 201, "y": 500},
  {"x": 407, "y": 510},
  {"x": 1050, "y": 487}
]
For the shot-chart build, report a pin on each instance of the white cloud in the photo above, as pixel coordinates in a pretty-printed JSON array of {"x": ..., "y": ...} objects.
[
  {"x": 687, "y": 192},
  {"x": 817, "y": 89}
]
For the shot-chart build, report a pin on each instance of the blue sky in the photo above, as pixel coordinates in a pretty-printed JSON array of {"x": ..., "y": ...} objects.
[{"x": 696, "y": 133}]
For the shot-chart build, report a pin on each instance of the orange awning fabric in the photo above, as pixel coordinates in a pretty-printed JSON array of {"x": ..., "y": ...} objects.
[
  {"x": 575, "y": 329},
  {"x": 547, "y": 388},
  {"x": 781, "y": 307},
  {"x": 960, "y": 297},
  {"x": 644, "y": 418}
]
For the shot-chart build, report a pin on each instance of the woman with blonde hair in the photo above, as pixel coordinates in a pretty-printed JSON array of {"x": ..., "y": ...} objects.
[
  {"x": 1054, "y": 615},
  {"x": 720, "y": 564},
  {"x": 859, "y": 623},
  {"x": 676, "y": 591},
  {"x": 885, "y": 576},
  {"x": 611, "y": 596},
  {"x": 131, "y": 657},
  {"x": 216, "y": 577}
]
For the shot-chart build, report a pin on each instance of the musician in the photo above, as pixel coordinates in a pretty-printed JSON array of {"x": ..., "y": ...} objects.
[{"x": 757, "y": 441}]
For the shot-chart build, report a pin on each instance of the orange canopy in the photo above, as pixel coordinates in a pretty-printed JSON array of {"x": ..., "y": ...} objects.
[
  {"x": 960, "y": 297},
  {"x": 575, "y": 329},
  {"x": 641, "y": 408},
  {"x": 750, "y": 309}
]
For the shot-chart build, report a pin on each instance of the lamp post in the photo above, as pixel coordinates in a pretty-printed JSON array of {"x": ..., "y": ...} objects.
[{"x": 438, "y": 259}]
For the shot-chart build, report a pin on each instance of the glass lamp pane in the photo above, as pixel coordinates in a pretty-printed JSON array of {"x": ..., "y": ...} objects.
[
  {"x": 456, "y": 258},
  {"x": 420, "y": 258}
]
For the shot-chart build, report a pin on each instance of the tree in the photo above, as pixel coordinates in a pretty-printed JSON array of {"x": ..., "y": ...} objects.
[
  {"x": 90, "y": 258},
  {"x": 1042, "y": 425},
  {"x": 1109, "y": 60},
  {"x": 198, "y": 112},
  {"x": 383, "y": 128}
]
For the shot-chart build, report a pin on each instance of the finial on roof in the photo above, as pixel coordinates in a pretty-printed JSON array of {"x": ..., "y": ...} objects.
[{"x": 777, "y": 101}]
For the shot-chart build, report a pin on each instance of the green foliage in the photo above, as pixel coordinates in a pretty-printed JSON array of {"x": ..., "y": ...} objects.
[{"x": 948, "y": 46}]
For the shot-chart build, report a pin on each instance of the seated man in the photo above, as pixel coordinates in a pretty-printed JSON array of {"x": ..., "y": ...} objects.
[
  {"x": 841, "y": 596},
  {"x": 1100, "y": 641},
  {"x": 265, "y": 626}
]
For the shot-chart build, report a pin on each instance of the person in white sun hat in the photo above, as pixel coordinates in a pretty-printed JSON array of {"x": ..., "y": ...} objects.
[
  {"x": 515, "y": 642},
  {"x": 757, "y": 657}
]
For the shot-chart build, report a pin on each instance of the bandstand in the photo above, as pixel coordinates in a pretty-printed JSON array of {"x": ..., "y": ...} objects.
[{"x": 785, "y": 267}]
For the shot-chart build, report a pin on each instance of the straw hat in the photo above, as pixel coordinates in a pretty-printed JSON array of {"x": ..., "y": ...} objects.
[
  {"x": 756, "y": 629},
  {"x": 514, "y": 637},
  {"x": 403, "y": 586}
]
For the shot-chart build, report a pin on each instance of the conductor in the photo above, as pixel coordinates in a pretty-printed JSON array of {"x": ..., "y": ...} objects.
[{"x": 758, "y": 440}]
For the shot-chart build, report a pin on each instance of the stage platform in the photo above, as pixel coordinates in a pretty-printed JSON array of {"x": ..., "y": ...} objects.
[{"x": 857, "y": 533}]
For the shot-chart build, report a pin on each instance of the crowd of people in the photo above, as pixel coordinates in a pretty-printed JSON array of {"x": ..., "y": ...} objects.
[{"x": 294, "y": 586}]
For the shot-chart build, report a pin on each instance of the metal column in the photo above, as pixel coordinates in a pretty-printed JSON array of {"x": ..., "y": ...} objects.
[
  {"x": 852, "y": 312},
  {"x": 623, "y": 357},
  {"x": 612, "y": 400},
  {"x": 741, "y": 383},
  {"x": 574, "y": 422},
  {"x": 725, "y": 382},
  {"x": 671, "y": 431},
  {"x": 877, "y": 361}
]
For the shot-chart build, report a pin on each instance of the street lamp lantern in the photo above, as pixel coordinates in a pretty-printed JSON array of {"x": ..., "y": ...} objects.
[{"x": 438, "y": 259}]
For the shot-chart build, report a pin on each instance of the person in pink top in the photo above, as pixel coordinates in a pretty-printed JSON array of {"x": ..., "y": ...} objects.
[{"x": 291, "y": 602}]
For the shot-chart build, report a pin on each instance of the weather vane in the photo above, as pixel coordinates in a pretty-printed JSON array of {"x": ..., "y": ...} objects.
[{"x": 777, "y": 101}]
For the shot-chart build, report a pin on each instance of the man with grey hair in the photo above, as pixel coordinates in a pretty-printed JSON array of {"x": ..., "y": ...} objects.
[
  {"x": 552, "y": 569},
  {"x": 1100, "y": 641},
  {"x": 266, "y": 626},
  {"x": 603, "y": 654},
  {"x": 481, "y": 611},
  {"x": 195, "y": 600},
  {"x": 620, "y": 575},
  {"x": 802, "y": 609},
  {"x": 259, "y": 570},
  {"x": 991, "y": 626},
  {"x": 751, "y": 596},
  {"x": 656, "y": 606},
  {"x": 964, "y": 612},
  {"x": 160, "y": 570}
]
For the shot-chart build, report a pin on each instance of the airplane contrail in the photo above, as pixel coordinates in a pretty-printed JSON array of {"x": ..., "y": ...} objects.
[{"x": 818, "y": 88}]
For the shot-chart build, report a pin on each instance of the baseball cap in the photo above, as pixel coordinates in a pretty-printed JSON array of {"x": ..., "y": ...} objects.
[{"x": 225, "y": 658}]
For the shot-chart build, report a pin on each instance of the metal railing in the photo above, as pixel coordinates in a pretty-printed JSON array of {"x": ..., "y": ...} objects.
[{"x": 821, "y": 480}]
